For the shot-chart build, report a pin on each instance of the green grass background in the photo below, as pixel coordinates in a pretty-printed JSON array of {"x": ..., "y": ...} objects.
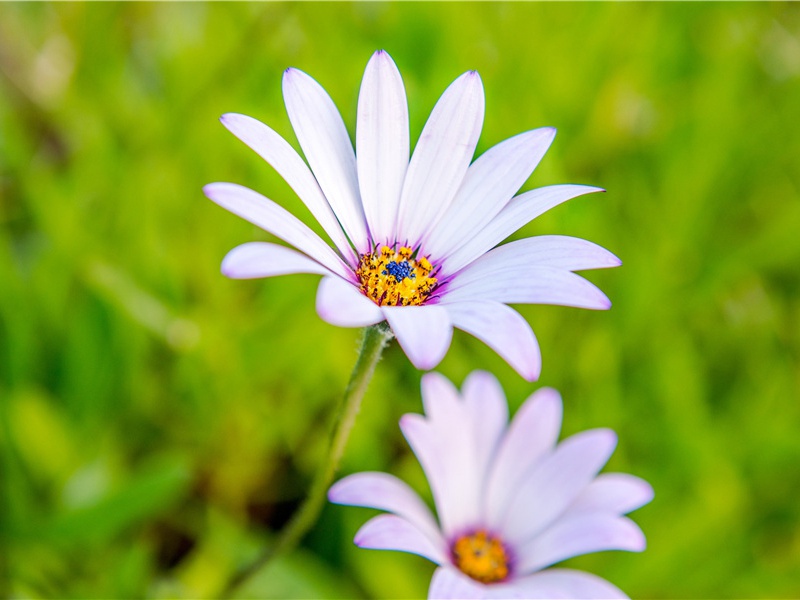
[{"x": 158, "y": 422}]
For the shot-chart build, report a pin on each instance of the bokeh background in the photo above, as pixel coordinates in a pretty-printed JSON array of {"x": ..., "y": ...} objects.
[{"x": 158, "y": 422}]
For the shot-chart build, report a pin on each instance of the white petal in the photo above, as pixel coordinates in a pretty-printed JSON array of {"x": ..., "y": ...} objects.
[
  {"x": 452, "y": 424},
  {"x": 616, "y": 493},
  {"x": 287, "y": 162},
  {"x": 487, "y": 408},
  {"x": 386, "y": 492},
  {"x": 555, "y": 483},
  {"x": 423, "y": 332},
  {"x": 428, "y": 447},
  {"x": 517, "y": 213},
  {"x": 262, "y": 259},
  {"x": 389, "y": 532},
  {"x": 566, "y": 584},
  {"x": 324, "y": 140},
  {"x": 502, "y": 329},
  {"x": 341, "y": 303},
  {"x": 382, "y": 145},
  {"x": 531, "y": 436},
  {"x": 526, "y": 285},
  {"x": 441, "y": 157},
  {"x": 445, "y": 449},
  {"x": 489, "y": 184},
  {"x": 554, "y": 251},
  {"x": 448, "y": 583},
  {"x": 275, "y": 219},
  {"x": 440, "y": 398},
  {"x": 579, "y": 535}
]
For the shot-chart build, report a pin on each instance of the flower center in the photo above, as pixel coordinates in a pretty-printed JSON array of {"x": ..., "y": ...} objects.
[
  {"x": 481, "y": 556},
  {"x": 394, "y": 278}
]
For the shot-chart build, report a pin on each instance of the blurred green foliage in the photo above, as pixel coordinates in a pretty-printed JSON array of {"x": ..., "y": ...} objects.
[{"x": 159, "y": 422}]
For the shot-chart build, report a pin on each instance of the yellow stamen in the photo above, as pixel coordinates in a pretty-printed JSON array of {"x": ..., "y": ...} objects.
[
  {"x": 394, "y": 278},
  {"x": 481, "y": 556}
]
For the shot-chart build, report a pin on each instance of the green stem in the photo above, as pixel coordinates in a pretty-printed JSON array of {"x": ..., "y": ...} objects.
[{"x": 375, "y": 339}]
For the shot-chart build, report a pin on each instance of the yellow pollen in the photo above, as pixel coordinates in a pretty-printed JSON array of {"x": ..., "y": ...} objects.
[
  {"x": 481, "y": 556},
  {"x": 393, "y": 278}
]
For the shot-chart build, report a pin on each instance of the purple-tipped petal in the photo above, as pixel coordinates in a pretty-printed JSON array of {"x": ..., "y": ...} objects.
[
  {"x": 327, "y": 147},
  {"x": 423, "y": 332},
  {"x": 517, "y": 213},
  {"x": 617, "y": 493},
  {"x": 578, "y": 535},
  {"x": 529, "y": 285},
  {"x": 389, "y": 532},
  {"x": 489, "y": 184},
  {"x": 264, "y": 213},
  {"x": 531, "y": 436},
  {"x": 382, "y": 145},
  {"x": 448, "y": 583},
  {"x": 565, "y": 584},
  {"x": 555, "y": 483},
  {"x": 340, "y": 303},
  {"x": 287, "y": 162},
  {"x": 502, "y": 329},
  {"x": 441, "y": 157},
  {"x": 386, "y": 492},
  {"x": 262, "y": 259}
]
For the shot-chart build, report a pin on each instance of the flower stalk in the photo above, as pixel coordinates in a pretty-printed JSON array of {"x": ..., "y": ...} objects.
[{"x": 374, "y": 341}]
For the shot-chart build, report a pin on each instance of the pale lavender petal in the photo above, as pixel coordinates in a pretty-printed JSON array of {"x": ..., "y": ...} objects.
[
  {"x": 386, "y": 492},
  {"x": 566, "y": 584},
  {"x": 554, "y": 251},
  {"x": 276, "y": 220},
  {"x": 555, "y": 483},
  {"x": 448, "y": 583},
  {"x": 441, "y": 157},
  {"x": 578, "y": 535},
  {"x": 502, "y": 329},
  {"x": 444, "y": 450},
  {"x": 552, "y": 584},
  {"x": 487, "y": 408},
  {"x": 440, "y": 398},
  {"x": 429, "y": 449},
  {"x": 390, "y": 532},
  {"x": 526, "y": 285},
  {"x": 262, "y": 259},
  {"x": 423, "y": 332},
  {"x": 531, "y": 436},
  {"x": 382, "y": 145},
  {"x": 489, "y": 184},
  {"x": 287, "y": 162},
  {"x": 616, "y": 493},
  {"x": 324, "y": 140},
  {"x": 517, "y": 213},
  {"x": 341, "y": 303},
  {"x": 452, "y": 425}
]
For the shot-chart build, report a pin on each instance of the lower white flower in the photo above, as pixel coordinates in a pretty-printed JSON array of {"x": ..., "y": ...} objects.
[{"x": 510, "y": 500}]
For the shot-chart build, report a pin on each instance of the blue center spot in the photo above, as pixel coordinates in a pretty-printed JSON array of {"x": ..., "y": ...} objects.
[{"x": 400, "y": 270}]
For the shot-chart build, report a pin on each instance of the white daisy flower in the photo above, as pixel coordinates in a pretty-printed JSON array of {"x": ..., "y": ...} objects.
[
  {"x": 510, "y": 500},
  {"x": 412, "y": 239}
]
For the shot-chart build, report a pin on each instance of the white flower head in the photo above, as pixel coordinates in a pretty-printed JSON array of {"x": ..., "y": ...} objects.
[
  {"x": 412, "y": 239},
  {"x": 510, "y": 500}
]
